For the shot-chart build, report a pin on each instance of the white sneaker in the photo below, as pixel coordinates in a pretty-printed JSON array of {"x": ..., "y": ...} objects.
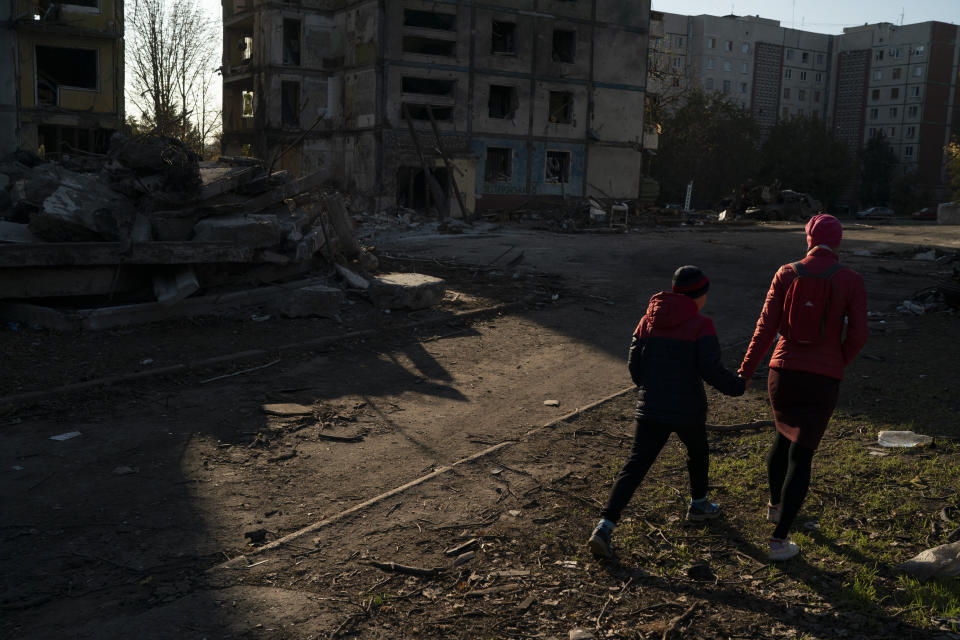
[
  {"x": 782, "y": 549},
  {"x": 773, "y": 513}
]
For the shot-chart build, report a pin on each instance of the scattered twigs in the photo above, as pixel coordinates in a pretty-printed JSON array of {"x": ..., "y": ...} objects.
[
  {"x": 603, "y": 610},
  {"x": 756, "y": 424},
  {"x": 676, "y": 622},
  {"x": 402, "y": 568},
  {"x": 347, "y": 622}
]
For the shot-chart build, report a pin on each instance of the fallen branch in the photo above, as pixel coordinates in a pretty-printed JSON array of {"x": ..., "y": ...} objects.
[
  {"x": 756, "y": 424},
  {"x": 237, "y": 373},
  {"x": 504, "y": 588},
  {"x": 352, "y": 618},
  {"x": 673, "y": 624},
  {"x": 402, "y": 568}
]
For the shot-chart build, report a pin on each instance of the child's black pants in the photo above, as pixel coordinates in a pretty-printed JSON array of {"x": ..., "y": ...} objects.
[{"x": 648, "y": 441}]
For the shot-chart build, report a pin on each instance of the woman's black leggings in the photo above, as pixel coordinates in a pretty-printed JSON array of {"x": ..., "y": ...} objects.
[{"x": 788, "y": 468}]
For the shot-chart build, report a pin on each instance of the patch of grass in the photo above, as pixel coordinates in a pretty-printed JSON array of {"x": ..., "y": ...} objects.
[{"x": 938, "y": 598}]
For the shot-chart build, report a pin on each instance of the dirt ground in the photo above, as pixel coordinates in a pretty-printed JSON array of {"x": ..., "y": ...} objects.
[{"x": 184, "y": 510}]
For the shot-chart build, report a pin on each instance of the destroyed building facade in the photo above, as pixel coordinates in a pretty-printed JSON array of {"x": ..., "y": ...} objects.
[
  {"x": 496, "y": 101},
  {"x": 901, "y": 81},
  {"x": 61, "y": 81}
]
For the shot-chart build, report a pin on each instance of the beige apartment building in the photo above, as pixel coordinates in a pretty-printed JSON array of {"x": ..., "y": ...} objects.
[{"x": 525, "y": 98}]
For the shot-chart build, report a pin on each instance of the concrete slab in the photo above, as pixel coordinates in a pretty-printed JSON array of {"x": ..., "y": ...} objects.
[
  {"x": 248, "y": 230},
  {"x": 316, "y": 300},
  {"x": 406, "y": 291},
  {"x": 15, "y": 232}
]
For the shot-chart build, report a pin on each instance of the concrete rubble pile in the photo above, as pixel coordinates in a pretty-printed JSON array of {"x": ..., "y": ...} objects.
[{"x": 149, "y": 232}]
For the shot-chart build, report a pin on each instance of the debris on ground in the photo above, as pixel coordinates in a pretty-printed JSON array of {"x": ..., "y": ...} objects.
[
  {"x": 902, "y": 439},
  {"x": 756, "y": 202},
  {"x": 941, "y": 561},
  {"x": 148, "y": 232}
]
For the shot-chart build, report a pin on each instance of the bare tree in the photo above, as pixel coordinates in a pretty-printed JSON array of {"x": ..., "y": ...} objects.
[{"x": 172, "y": 54}]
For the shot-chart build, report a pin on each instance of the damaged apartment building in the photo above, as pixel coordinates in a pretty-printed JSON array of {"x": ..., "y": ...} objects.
[
  {"x": 61, "y": 76},
  {"x": 499, "y": 101}
]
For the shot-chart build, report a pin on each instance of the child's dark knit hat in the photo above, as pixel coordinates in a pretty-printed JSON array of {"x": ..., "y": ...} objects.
[{"x": 690, "y": 281}]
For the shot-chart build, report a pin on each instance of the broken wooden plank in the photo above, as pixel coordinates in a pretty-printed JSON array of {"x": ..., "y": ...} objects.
[
  {"x": 402, "y": 568},
  {"x": 53, "y": 254},
  {"x": 229, "y": 182},
  {"x": 281, "y": 193}
]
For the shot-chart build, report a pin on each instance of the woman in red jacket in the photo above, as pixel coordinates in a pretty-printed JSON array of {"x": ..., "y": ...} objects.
[{"x": 807, "y": 364}]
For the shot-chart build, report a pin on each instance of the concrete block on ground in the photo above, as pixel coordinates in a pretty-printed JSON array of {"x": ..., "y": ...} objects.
[
  {"x": 948, "y": 213},
  {"x": 248, "y": 230},
  {"x": 15, "y": 232},
  {"x": 172, "y": 286},
  {"x": 406, "y": 291},
  {"x": 315, "y": 300}
]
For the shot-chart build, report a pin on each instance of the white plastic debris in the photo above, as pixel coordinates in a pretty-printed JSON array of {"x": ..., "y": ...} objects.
[
  {"x": 65, "y": 436},
  {"x": 551, "y": 403},
  {"x": 902, "y": 439}
]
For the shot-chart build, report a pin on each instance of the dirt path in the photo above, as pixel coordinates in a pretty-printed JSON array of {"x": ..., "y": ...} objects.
[{"x": 170, "y": 475}]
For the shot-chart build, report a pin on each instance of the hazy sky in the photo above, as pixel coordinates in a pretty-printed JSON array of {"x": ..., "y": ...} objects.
[{"x": 824, "y": 16}]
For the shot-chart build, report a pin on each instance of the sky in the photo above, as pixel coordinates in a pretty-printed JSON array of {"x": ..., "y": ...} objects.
[{"x": 822, "y": 16}]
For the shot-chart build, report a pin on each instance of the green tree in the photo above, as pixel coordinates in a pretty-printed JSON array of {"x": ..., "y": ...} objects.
[
  {"x": 709, "y": 140},
  {"x": 877, "y": 162},
  {"x": 953, "y": 167},
  {"x": 804, "y": 155}
]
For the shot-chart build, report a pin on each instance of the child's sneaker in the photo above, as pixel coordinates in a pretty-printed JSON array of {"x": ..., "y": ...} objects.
[
  {"x": 782, "y": 549},
  {"x": 773, "y": 513},
  {"x": 702, "y": 509},
  {"x": 599, "y": 542}
]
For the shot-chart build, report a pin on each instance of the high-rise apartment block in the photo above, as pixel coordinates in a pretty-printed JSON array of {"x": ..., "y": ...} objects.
[
  {"x": 503, "y": 100},
  {"x": 901, "y": 81}
]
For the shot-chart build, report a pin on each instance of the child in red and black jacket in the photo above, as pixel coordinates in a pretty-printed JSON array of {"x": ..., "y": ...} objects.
[{"x": 673, "y": 350}]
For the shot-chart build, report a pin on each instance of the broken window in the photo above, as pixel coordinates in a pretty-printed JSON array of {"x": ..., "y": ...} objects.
[
  {"x": 502, "y": 37},
  {"x": 557, "y": 169},
  {"x": 62, "y": 67},
  {"x": 428, "y": 86},
  {"x": 291, "y": 42},
  {"x": 419, "y": 111},
  {"x": 429, "y": 46},
  {"x": 247, "y": 108},
  {"x": 429, "y": 20},
  {"x": 498, "y": 167},
  {"x": 290, "y": 103},
  {"x": 564, "y": 45},
  {"x": 561, "y": 107},
  {"x": 895, "y": 92},
  {"x": 502, "y": 102},
  {"x": 246, "y": 48}
]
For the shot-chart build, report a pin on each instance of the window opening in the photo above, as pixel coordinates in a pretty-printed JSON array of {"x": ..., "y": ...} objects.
[
  {"x": 419, "y": 111},
  {"x": 63, "y": 67},
  {"x": 430, "y": 20},
  {"x": 502, "y": 37},
  {"x": 498, "y": 166},
  {"x": 564, "y": 45},
  {"x": 247, "y": 104},
  {"x": 291, "y": 42},
  {"x": 428, "y": 86},
  {"x": 502, "y": 102},
  {"x": 557, "y": 169},
  {"x": 561, "y": 107},
  {"x": 429, "y": 46}
]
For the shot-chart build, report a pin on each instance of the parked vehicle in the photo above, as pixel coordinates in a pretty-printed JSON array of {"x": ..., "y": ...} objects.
[
  {"x": 927, "y": 213},
  {"x": 876, "y": 212}
]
